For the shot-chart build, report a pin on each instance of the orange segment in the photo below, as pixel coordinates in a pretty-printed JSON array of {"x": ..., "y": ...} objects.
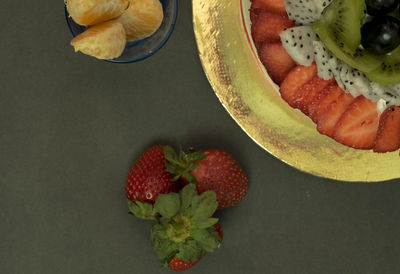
[
  {"x": 103, "y": 41},
  {"x": 90, "y": 12},
  {"x": 142, "y": 18}
]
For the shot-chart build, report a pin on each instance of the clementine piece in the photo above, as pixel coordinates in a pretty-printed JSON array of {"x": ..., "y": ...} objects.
[
  {"x": 103, "y": 41},
  {"x": 141, "y": 19},
  {"x": 91, "y": 12}
]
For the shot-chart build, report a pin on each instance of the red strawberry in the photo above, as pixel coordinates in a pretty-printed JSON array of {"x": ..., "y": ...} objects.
[
  {"x": 268, "y": 26},
  {"x": 388, "y": 138},
  {"x": 147, "y": 178},
  {"x": 358, "y": 125},
  {"x": 178, "y": 265},
  {"x": 276, "y": 60},
  {"x": 216, "y": 171},
  {"x": 327, "y": 122},
  {"x": 254, "y": 14},
  {"x": 273, "y": 6},
  {"x": 218, "y": 228},
  {"x": 305, "y": 95},
  {"x": 295, "y": 79},
  {"x": 323, "y": 99}
]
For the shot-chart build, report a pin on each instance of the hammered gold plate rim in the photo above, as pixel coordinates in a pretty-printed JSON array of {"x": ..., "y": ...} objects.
[{"x": 245, "y": 90}]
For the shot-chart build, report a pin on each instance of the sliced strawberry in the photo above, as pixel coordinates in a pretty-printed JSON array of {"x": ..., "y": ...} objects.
[
  {"x": 388, "y": 138},
  {"x": 327, "y": 122},
  {"x": 308, "y": 91},
  {"x": 268, "y": 26},
  {"x": 273, "y": 6},
  {"x": 254, "y": 14},
  {"x": 323, "y": 99},
  {"x": 295, "y": 79},
  {"x": 358, "y": 125},
  {"x": 276, "y": 60}
]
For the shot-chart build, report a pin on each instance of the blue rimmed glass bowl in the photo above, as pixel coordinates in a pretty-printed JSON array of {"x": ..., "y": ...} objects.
[{"x": 141, "y": 49}]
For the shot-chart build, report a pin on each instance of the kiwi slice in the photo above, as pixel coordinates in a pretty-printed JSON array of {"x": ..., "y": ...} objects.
[
  {"x": 388, "y": 72},
  {"x": 394, "y": 56},
  {"x": 358, "y": 58},
  {"x": 344, "y": 19}
]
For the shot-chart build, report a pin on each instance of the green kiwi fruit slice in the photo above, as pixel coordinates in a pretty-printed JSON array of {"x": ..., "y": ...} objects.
[
  {"x": 394, "y": 56},
  {"x": 358, "y": 58},
  {"x": 388, "y": 72},
  {"x": 344, "y": 19}
]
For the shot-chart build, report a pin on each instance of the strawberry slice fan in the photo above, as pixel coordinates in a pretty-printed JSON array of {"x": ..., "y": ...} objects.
[
  {"x": 353, "y": 121},
  {"x": 295, "y": 90}
]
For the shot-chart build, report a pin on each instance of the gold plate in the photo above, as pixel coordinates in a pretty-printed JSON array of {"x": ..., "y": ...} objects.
[{"x": 244, "y": 88}]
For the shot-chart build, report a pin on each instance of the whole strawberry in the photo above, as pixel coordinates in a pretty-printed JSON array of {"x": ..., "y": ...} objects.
[
  {"x": 218, "y": 171},
  {"x": 211, "y": 169},
  {"x": 147, "y": 178}
]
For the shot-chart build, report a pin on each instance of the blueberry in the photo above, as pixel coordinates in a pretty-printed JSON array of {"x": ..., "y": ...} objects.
[
  {"x": 381, "y": 7},
  {"x": 381, "y": 35}
]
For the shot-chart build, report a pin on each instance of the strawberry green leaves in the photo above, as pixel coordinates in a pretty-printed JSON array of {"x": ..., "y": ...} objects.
[
  {"x": 208, "y": 240},
  {"x": 190, "y": 251},
  {"x": 167, "y": 204},
  {"x": 142, "y": 210},
  {"x": 165, "y": 248},
  {"x": 182, "y": 164},
  {"x": 203, "y": 206},
  {"x": 187, "y": 194},
  {"x": 185, "y": 225}
]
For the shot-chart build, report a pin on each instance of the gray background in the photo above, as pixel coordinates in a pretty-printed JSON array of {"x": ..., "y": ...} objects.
[{"x": 71, "y": 126}]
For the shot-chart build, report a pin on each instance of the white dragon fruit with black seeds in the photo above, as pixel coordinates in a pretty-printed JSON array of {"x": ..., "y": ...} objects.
[
  {"x": 335, "y": 65},
  {"x": 322, "y": 56},
  {"x": 381, "y": 105},
  {"x": 301, "y": 12},
  {"x": 388, "y": 93},
  {"x": 298, "y": 43},
  {"x": 320, "y": 5},
  {"x": 396, "y": 88},
  {"x": 305, "y": 12},
  {"x": 357, "y": 83}
]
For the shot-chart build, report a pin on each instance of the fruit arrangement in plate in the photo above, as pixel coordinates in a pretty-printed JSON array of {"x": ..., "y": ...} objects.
[
  {"x": 112, "y": 23},
  {"x": 180, "y": 194},
  {"x": 337, "y": 62}
]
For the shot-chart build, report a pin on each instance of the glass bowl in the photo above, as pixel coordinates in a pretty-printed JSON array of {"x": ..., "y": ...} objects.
[{"x": 141, "y": 49}]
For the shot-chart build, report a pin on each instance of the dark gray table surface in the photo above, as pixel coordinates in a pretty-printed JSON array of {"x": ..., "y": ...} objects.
[{"x": 71, "y": 126}]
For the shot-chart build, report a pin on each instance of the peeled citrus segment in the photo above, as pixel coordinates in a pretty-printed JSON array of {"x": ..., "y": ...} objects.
[
  {"x": 141, "y": 19},
  {"x": 103, "y": 41},
  {"x": 91, "y": 12}
]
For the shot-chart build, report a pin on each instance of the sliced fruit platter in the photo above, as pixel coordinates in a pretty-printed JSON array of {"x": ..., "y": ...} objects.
[
  {"x": 337, "y": 62},
  {"x": 270, "y": 63}
]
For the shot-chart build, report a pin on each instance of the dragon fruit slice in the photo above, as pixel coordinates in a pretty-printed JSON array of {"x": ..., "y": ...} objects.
[
  {"x": 352, "y": 80},
  {"x": 298, "y": 43},
  {"x": 396, "y": 88},
  {"x": 336, "y": 65},
  {"x": 388, "y": 93},
  {"x": 305, "y": 12},
  {"x": 345, "y": 76},
  {"x": 302, "y": 12},
  {"x": 357, "y": 83},
  {"x": 322, "y": 56},
  {"x": 320, "y": 5}
]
